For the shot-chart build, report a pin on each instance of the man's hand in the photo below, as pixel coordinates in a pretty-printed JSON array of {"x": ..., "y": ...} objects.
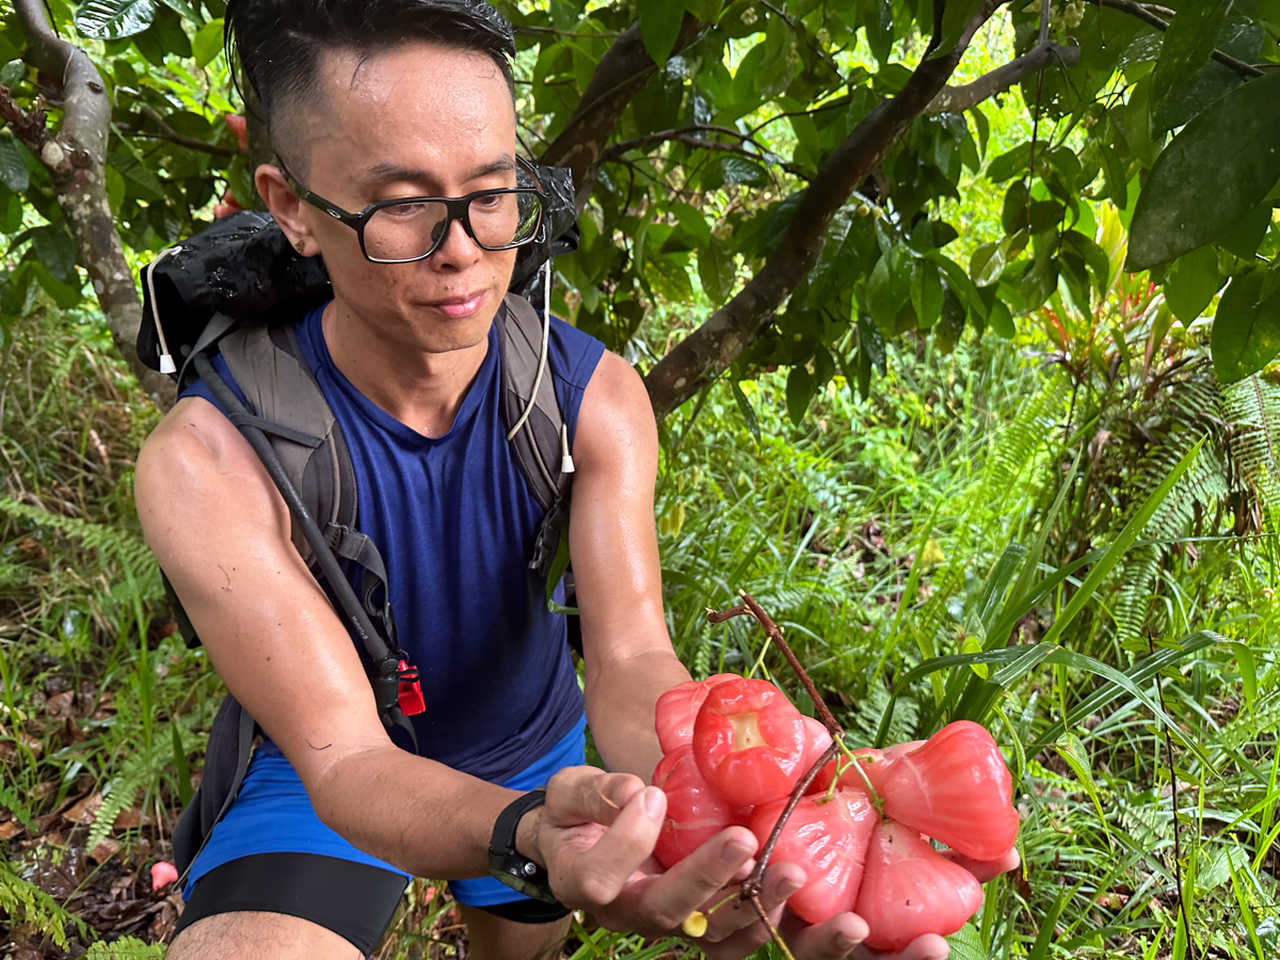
[{"x": 596, "y": 835}]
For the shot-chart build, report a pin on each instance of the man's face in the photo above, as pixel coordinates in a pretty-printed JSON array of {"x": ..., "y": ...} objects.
[{"x": 417, "y": 120}]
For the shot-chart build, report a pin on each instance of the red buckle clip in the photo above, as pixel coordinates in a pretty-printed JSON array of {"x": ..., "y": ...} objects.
[{"x": 410, "y": 696}]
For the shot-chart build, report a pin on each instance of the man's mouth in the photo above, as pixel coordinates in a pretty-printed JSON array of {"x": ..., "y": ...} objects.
[{"x": 459, "y": 307}]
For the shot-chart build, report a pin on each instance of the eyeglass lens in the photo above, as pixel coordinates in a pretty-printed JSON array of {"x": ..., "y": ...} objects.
[{"x": 404, "y": 231}]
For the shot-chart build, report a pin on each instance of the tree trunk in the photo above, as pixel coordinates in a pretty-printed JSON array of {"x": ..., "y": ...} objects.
[{"x": 76, "y": 160}]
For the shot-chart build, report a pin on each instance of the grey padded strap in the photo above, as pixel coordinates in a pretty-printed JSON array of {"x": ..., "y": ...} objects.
[
  {"x": 266, "y": 363},
  {"x": 537, "y": 445}
]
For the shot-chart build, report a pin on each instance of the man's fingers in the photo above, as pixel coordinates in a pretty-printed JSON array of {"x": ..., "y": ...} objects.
[
  {"x": 835, "y": 938},
  {"x": 985, "y": 870},
  {"x": 592, "y": 863},
  {"x": 588, "y": 795},
  {"x": 697, "y": 882},
  {"x": 928, "y": 946}
]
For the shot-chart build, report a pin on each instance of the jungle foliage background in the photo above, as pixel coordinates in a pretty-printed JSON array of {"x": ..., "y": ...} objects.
[{"x": 958, "y": 318}]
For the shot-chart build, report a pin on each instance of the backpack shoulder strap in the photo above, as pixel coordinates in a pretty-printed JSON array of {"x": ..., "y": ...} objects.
[
  {"x": 539, "y": 441},
  {"x": 267, "y": 365}
]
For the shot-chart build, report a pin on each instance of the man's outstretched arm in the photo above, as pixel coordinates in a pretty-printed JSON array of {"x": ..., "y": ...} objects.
[{"x": 627, "y": 653}]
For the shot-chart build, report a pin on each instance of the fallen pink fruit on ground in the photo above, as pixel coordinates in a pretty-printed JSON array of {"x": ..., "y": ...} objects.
[{"x": 163, "y": 873}]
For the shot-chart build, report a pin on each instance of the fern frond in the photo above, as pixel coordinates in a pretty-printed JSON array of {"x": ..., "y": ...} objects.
[
  {"x": 134, "y": 774},
  {"x": 1251, "y": 408},
  {"x": 26, "y": 904}
]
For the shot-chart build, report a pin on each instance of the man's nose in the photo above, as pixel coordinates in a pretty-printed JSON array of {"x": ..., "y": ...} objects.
[{"x": 457, "y": 246}]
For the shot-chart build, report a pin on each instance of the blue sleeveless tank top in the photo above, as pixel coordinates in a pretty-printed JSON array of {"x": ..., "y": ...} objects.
[{"x": 453, "y": 518}]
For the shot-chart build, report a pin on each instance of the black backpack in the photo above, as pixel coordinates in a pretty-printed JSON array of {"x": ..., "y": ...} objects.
[{"x": 238, "y": 288}]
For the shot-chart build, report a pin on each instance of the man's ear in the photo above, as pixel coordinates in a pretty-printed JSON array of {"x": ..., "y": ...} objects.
[{"x": 285, "y": 206}]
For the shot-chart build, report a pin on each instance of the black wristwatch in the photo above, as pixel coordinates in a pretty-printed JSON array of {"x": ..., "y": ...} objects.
[{"x": 511, "y": 867}]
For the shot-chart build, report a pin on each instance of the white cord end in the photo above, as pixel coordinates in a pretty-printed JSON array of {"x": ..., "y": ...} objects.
[
  {"x": 566, "y": 458},
  {"x": 166, "y": 364}
]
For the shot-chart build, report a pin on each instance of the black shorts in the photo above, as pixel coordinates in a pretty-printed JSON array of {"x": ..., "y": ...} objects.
[{"x": 354, "y": 900}]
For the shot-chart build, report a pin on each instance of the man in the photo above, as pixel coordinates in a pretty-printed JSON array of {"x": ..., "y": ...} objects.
[{"x": 369, "y": 101}]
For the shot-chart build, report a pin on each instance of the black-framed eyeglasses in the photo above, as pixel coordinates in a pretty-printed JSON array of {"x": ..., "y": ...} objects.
[{"x": 406, "y": 229}]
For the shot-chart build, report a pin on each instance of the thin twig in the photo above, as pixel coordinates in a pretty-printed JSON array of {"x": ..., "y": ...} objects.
[
  {"x": 768, "y": 924},
  {"x": 1173, "y": 796},
  {"x": 775, "y": 635},
  {"x": 752, "y": 885}
]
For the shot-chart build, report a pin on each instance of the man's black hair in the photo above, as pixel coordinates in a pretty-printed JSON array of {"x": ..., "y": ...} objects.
[{"x": 277, "y": 44}]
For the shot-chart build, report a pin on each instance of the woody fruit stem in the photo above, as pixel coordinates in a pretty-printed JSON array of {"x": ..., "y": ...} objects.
[{"x": 752, "y": 885}]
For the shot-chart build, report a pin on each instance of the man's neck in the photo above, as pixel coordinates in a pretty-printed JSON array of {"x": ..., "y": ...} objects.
[{"x": 420, "y": 388}]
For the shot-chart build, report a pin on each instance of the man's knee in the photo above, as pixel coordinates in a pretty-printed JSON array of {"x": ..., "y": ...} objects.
[
  {"x": 494, "y": 938},
  {"x": 257, "y": 934}
]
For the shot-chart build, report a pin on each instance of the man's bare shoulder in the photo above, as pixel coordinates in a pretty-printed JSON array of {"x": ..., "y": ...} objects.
[
  {"x": 615, "y": 413},
  {"x": 197, "y": 463}
]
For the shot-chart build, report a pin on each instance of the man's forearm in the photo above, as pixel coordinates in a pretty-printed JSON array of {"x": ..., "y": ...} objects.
[
  {"x": 428, "y": 819},
  {"x": 620, "y": 696}
]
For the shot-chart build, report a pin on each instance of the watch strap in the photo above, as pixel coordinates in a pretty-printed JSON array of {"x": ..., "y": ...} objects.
[{"x": 508, "y": 864}]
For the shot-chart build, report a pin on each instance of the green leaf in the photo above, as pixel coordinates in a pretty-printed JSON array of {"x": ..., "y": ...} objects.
[
  {"x": 1217, "y": 169},
  {"x": 1186, "y": 48},
  {"x": 54, "y": 247},
  {"x": 986, "y": 264},
  {"x": 966, "y": 944},
  {"x": 716, "y": 271},
  {"x": 11, "y": 213},
  {"x": 113, "y": 19},
  {"x": 660, "y": 26},
  {"x": 1248, "y": 671},
  {"x": 1013, "y": 215},
  {"x": 744, "y": 406},
  {"x": 955, "y": 17},
  {"x": 800, "y": 386},
  {"x": 1246, "y": 328},
  {"x": 884, "y": 294},
  {"x": 926, "y": 294},
  {"x": 13, "y": 167},
  {"x": 207, "y": 42},
  {"x": 1192, "y": 281},
  {"x": 1000, "y": 320},
  {"x": 950, "y": 325}
]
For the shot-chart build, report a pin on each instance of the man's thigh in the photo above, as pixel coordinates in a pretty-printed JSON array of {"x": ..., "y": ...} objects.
[
  {"x": 284, "y": 905},
  {"x": 255, "y": 934},
  {"x": 491, "y": 937}
]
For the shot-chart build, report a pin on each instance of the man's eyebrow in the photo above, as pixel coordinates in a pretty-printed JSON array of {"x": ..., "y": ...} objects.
[{"x": 381, "y": 173}]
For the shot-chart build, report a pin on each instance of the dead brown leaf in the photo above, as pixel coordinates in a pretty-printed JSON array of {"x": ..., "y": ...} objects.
[
  {"x": 104, "y": 851},
  {"x": 85, "y": 809},
  {"x": 61, "y": 704}
]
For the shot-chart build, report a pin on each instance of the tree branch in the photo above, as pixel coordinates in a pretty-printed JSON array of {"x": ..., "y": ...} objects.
[
  {"x": 704, "y": 353},
  {"x": 166, "y": 132},
  {"x": 1147, "y": 16},
  {"x": 621, "y": 72},
  {"x": 687, "y": 135},
  {"x": 76, "y": 160},
  {"x": 969, "y": 95}
]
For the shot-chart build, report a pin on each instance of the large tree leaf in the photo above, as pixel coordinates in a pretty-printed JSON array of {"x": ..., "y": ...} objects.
[
  {"x": 1191, "y": 284},
  {"x": 1246, "y": 329},
  {"x": 1187, "y": 45},
  {"x": 13, "y": 167},
  {"x": 113, "y": 19},
  {"x": 659, "y": 27},
  {"x": 1215, "y": 171}
]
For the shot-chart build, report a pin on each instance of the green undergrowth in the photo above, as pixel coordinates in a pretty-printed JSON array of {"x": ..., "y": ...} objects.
[{"x": 931, "y": 557}]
